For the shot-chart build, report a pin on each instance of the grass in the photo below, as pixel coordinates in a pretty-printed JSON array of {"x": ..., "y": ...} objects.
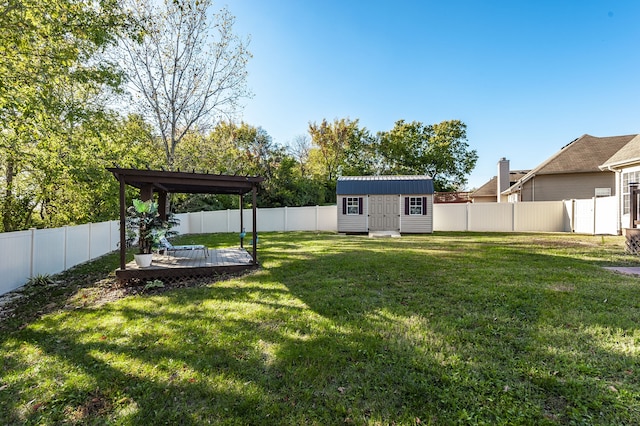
[{"x": 450, "y": 328}]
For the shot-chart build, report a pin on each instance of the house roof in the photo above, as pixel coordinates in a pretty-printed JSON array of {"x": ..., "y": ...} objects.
[
  {"x": 583, "y": 155},
  {"x": 186, "y": 182},
  {"x": 628, "y": 154},
  {"x": 490, "y": 189},
  {"x": 414, "y": 184}
]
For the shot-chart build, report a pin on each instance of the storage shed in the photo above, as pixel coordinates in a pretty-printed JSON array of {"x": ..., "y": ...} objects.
[{"x": 385, "y": 203}]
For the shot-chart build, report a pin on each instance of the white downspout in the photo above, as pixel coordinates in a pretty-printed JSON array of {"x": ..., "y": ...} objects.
[{"x": 618, "y": 188}]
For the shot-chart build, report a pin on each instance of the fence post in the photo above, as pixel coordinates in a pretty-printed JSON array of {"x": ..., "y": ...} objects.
[
  {"x": 317, "y": 217},
  {"x": 89, "y": 238},
  {"x": 33, "y": 248},
  {"x": 286, "y": 218},
  {"x": 64, "y": 249},
  {"x": 466, "y": 216},
  {"x": 594, "y": 215}
]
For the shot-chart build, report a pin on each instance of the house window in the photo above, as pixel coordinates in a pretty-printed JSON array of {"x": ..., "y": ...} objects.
[
  {"x": 353, "y": 205},
  {"x": 627, "y": 178},
  {"x": 415, "y": 206},
  {"x": 603, "y": 192}
]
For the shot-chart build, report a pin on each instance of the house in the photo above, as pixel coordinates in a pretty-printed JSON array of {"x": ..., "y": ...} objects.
[
  {"x": 574, "y": 172},
  {"x": 625, "y": 164},
  {"x": 488, "y": 193},
  {"x": 385, "y": 203}
]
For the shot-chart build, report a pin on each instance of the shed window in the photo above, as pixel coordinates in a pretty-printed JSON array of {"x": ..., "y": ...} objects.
[
  {"x": 352, "y": 205},
  {"x": 415, "y": 206}
]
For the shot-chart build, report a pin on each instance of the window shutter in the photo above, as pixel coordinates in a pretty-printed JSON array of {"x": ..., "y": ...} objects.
[
  {"x": 360, "y": 205},
  {"x": 406, "y": 206},
  {"x": 344, "y": 205},
  {"x": 424, "y": 205}
]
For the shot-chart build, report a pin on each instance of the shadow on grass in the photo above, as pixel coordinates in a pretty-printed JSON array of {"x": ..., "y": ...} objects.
[{"x": 346, "y": 329}]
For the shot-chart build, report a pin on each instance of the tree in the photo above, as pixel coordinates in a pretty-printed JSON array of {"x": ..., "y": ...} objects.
[
  {"x": 331, "y": 141},
  {"x": 183, "y": 77},
  {"x": 439, "y": 150},
  {"x": 300, "y": 149},
  {"x": 48, "y": 67}
]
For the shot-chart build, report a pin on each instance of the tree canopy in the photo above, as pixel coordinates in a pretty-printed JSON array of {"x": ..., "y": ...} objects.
[
  {"x": 63, "y": 121},
  {"x": 439, "y": 150},
  {"x": 187, "y": 70}
]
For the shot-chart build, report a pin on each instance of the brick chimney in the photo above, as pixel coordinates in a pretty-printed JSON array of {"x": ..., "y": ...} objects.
[{"x": 503, "y": 177}]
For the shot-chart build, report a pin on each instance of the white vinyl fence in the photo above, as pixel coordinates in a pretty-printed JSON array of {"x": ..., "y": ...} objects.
[
  {"x": 26, "y": 254},
  {"x": 29, "y": 253}
]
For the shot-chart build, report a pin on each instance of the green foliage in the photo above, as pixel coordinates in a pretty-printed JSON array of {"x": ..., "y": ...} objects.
[
  {"x": 336, "y": 143},
  {"x": 49, "y": 97},
  {"x": 186, "y": 69},
  {"x": 150, "y": 285},
  {"x": 440, "y": 151},
  {"x": 144, "y": 221},
  {"x": 40, "y": 280}
]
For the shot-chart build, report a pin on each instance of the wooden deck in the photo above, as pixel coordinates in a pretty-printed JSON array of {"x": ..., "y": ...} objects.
[{"x": 190, "y": 263}]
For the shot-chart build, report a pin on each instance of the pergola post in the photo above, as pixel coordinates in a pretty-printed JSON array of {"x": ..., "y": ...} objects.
[
  {"x": 123, "y": 235},
  {"x": 168, "y": 182},
  {"x": 146, "y": 193},
  {"x": 241, "y": 221},
  {"x": 162, "y": 204},
  {"x": 255, "y": 229}
]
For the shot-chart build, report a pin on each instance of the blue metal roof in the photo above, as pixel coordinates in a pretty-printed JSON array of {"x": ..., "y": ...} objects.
[{"x": 376, "y": 185}]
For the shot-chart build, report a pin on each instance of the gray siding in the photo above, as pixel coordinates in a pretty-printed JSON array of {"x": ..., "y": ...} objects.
[
  {"x": 353, "y": 223},
  {"x": 418, "y": 224},
  {"x": 567, "y": 186},
  {"x": 409, "y": 224}
]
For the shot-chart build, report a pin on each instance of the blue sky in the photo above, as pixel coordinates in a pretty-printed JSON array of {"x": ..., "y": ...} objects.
[{"x": 527, "y": 77}]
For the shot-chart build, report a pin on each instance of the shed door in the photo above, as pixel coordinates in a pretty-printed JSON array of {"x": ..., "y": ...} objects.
[{"x": 384, "y": 213}]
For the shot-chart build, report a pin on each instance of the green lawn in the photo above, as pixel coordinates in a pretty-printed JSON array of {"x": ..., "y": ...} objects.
[{"x": 450, "y": 328}]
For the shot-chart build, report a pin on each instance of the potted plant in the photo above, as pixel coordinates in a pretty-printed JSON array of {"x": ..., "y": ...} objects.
[{"x": 144, "y": 221}]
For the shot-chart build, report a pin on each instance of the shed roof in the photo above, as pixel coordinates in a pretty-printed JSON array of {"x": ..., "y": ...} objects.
[{"x": 377, "y": 185}]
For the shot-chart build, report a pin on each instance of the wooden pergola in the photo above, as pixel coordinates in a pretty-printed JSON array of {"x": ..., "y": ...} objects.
[{"x": 167, "y": 182}]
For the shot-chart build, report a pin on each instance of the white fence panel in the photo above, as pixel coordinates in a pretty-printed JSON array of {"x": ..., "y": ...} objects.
[
  {"x": 300, "y": 219},
  {"x": 15, "y": 256},
  {"x": 215, "y": 221},
  {"x": 77, "y": 244},
  {"x": 183, "y": 223},
  {"x": 543, "y": 216},
  {"x": 194, "y": 223},
  {"x": 327, "y": 219},
  {"x": 99, "y": 239},
  {"x": 270, "y": 220},
  {"x": 583, "y": 217},
  {"x": 48, "y": 251},
  {"x": 450, "y": 217},
  {"x": 606, "y": 213},
  {"x": 115, "y": 234},
  {"x": 491, "y": 217}
]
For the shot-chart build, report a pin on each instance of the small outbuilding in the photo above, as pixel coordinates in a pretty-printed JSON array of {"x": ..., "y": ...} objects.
[{"x": 385, "y": 203}]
